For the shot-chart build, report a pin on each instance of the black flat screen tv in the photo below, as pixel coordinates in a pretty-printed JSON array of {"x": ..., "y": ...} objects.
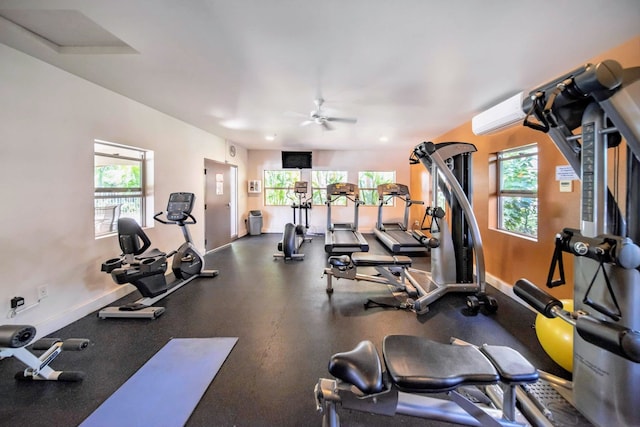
[{"x": 296, "y": 159}]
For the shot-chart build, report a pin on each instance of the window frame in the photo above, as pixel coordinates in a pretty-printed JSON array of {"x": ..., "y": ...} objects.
[
  {"x": 504, "y": 193},
  {"x": 390, "y": 202},
  {"x": 322, "y": 190},
  {"x": 112, "y": 210},
  {"x": 289, "y": 195}
]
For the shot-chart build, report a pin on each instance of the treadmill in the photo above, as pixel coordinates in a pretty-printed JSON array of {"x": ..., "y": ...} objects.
[
  {"x": 344, "y": 238},
  {"x": 395, "y": 236}
]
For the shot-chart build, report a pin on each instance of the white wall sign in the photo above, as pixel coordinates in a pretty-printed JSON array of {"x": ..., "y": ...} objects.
[{"x": 565, "y": 173}]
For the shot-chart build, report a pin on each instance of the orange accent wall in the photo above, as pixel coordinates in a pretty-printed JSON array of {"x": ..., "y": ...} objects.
[{"x": 509, "y": 257}]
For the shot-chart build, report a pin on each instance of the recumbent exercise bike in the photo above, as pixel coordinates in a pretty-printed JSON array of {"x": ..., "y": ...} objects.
[{"x": 145, "y": 268}]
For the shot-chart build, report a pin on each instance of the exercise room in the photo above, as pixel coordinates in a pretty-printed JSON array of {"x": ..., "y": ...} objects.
[{"x": 337, "y": 213}]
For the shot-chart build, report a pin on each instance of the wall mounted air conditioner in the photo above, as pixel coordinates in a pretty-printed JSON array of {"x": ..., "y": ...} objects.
[{"x": 499, "y": 117}]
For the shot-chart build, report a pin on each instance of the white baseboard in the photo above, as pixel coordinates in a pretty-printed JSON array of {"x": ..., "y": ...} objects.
[{"x": 60, "y": 320}]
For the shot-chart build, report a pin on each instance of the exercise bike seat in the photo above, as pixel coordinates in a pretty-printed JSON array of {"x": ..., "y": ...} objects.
[
  {"x": 360, "y": 367},
  {"x": 151, "y": 253},
  {"x": 420, "y": 365}
]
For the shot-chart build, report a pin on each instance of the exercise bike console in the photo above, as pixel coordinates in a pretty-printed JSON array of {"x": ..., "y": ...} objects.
[{"x": 178, "y": 209}]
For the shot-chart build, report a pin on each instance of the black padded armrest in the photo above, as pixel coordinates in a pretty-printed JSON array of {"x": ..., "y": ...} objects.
[{"x": 511, "y": 365}]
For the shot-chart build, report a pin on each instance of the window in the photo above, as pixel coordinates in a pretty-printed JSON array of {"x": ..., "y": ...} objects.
[
  {"x": 518, "y": 190},
  {"x": 119, "y": 190},
  {"x": 319, "y": 182},
  {"x": 368, "y": 182},
  {"x": 279, "y": 187}
]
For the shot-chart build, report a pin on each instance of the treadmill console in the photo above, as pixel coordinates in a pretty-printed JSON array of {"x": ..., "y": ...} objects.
[
  {"x": 301, "y": 186},
  {"x": 342, "y": 189},
  {"x": 393, "y": 189}
]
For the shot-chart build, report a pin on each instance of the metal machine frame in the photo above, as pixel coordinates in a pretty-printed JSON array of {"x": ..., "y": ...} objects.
[
  {"x": 603, "y": 101},
  {"x": 450, "y": 271}
]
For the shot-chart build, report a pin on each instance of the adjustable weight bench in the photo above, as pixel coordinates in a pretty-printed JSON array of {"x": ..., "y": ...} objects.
[
  {"x": 416, "y": 367},
  {"x": 392, "y": 270},
  {"x": 13, "y": 343}
]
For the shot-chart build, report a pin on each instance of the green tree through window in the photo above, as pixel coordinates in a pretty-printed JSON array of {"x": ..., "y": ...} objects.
[
  {"x": 518, "y": 190},
  {"x": 368, "y": 182},
  {"x": 119, "y": 187},
  {"x": 319, "y": 182},
  {"x": 279, "y": 187}
]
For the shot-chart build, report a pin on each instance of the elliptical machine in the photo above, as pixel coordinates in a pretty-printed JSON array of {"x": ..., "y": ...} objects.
[
  {"x": 295, "y": 233},
  {"x": 145, "y": 268}
]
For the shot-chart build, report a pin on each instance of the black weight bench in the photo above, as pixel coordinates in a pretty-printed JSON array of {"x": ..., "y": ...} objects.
[
  {"x": 365, "y": 259},
  {"x": 391, "y": 269},
  {"x": 418, "y": 366}
]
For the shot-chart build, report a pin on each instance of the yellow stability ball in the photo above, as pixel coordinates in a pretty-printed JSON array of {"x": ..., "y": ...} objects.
[{"x": 556, "y": 337}]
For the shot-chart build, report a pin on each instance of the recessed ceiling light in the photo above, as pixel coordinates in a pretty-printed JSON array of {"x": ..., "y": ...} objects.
[
  {"x": 270, "y": 137},
  {"x": 235, "y": 124},
  {"x": 384, "y": 139}
]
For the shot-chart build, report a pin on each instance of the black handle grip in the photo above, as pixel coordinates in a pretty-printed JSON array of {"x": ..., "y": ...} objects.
[
  {"x": 536, "y": 297},
  {"x": 612, "y": 337}
]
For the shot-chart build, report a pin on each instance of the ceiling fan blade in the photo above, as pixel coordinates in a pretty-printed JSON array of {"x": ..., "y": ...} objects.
[
  {"x": 306, "y": 123},
  {"x": 295, "y": 114},
  {"x": 326, "y": 126},
  {"x": 342, "y": 119}
]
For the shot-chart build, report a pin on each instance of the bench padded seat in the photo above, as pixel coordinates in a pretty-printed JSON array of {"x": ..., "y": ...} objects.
[
  {"x": 365, "y": 259},
  {"x": 421, "y": 365},
  {"x": 511, "y": 365}
]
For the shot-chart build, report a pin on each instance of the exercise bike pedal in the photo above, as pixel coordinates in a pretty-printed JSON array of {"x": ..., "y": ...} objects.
[
  {"x": 145, "y": 312},
  {"x": 208, "y": 273},
  {"x": 132, "y": 307}
]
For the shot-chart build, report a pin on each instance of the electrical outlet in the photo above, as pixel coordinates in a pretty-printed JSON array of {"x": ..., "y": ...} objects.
[{"x": 43, "y": 292}]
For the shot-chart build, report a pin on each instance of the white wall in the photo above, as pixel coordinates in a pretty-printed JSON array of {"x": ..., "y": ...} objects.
[
  {"x": 48, "y": 122},
  {"x": 275, "y": 217}
]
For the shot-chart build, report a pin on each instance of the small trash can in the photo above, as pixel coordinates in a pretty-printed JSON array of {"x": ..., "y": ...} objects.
[{"x": 255, "y": 223}]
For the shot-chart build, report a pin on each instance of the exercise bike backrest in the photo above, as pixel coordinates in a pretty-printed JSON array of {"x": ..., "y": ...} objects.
[{"x": 132, "y": 239}]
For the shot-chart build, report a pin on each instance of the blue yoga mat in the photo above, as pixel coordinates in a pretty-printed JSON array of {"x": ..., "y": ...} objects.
[{"x": 166, "y": 390}]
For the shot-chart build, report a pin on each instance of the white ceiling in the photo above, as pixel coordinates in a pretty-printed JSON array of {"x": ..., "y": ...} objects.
[{"x": 409, "y": 70}]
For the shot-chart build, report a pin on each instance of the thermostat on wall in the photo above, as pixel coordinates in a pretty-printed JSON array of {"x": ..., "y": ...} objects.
[{"x": 566, "y": 186}]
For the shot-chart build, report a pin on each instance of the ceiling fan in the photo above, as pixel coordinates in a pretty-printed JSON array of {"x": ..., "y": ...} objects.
[{"x": 317, "y": 116}]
